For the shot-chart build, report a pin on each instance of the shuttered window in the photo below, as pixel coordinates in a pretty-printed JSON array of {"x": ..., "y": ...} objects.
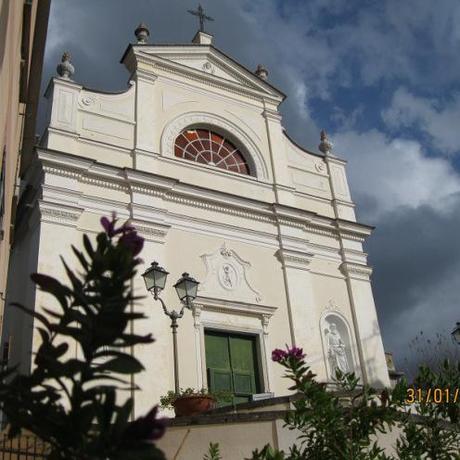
[{"x": 231, "y": 362}]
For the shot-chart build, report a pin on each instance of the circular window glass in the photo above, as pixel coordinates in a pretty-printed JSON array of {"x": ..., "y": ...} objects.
[{"x": 204, "y": 146}]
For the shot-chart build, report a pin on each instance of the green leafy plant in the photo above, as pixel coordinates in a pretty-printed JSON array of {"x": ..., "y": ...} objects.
[
  {"x": 213, "y": 452},
  {"x": 167, "y": 401},
  {"x": 69, "y": 400},
  {"x": 430, "y": 350},
  {"x": 435, "y": 401},
  {"x": 330, "y": 427},
  {"x": 346, "y": 427}
]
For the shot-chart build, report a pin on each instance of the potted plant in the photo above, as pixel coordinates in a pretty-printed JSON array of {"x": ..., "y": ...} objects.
[{"x": 192, "y": 402}]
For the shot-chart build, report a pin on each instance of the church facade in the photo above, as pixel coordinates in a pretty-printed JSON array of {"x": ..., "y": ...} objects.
[{"x": 194, "y": 155}]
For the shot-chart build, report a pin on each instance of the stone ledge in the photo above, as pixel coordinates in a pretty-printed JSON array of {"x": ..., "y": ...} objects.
[
  {"x": 247, "y": 406},
  {"x": 213, "y": 419}
]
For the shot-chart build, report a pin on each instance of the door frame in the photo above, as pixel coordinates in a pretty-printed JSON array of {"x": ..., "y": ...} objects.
[
  {"x": 258, "y": 355},
  {"x": 212, "y": 314}
]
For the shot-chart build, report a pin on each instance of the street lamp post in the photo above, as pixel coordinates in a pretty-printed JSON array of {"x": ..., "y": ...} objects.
[
  {"x": 186, "y": 288},
  {"x": 456, "y": 333}
]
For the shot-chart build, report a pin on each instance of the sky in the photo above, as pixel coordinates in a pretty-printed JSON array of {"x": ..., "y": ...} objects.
[{"x": 382, "y": 77}]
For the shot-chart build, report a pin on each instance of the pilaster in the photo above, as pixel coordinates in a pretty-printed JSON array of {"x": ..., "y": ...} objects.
[
  {"x": 146, "y": 110},
  {"x": 357, "y": 276},
  {"x": 281, "y": 178},
  {"x": 299, "y": 291}
]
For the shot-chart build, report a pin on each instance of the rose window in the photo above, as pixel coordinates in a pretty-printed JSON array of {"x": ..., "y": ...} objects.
[{"x": 204, "y": 146}]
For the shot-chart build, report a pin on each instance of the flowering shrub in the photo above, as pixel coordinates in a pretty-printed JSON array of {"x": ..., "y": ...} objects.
[
  {"x": 434, "y": 438},
  {"x": 333, "y": 428},
  {"x": 285, "y": 356},
  {"x": 70, "y": 402}
]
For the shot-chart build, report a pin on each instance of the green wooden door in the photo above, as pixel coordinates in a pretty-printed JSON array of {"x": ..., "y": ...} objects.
[{"x": 231, "y": 362}]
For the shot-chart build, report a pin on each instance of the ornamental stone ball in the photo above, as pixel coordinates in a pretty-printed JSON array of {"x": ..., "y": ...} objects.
[
  {"x": 325, "y": 145},
  {"x": 261, "y": 72},
  {"x": 65, "y": 69},
  {"x": 142, "y": 33}
]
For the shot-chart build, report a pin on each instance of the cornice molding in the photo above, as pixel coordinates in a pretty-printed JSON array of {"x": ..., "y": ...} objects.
[
  {"x": 356, "y": 271},
  {"x": 151, "y": 231},
  {"x": 233, "y": 307},
  {"x": 58, "y": 213},
  {"x": 295, "y": 259},
  {"x": 272, "y": 115},
  {"x": 125, "y": 179},
  {"x": 145, "y": 75}
]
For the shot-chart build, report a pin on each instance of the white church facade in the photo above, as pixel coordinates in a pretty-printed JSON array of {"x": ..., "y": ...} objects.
[{"x": 194, "y": 155}]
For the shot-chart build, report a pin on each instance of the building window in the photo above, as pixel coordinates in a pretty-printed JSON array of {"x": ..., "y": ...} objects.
[
  {"x": 232, "y": 364},
  {"x": 206, "y": 147}
]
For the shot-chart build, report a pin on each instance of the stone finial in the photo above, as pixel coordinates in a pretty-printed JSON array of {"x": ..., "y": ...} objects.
[
  {"x": 325, "y": 145},
  {"x": 261, "y": 72},
  {"x": 65, "y": 69},
  {"x": 142, "y": 33}
]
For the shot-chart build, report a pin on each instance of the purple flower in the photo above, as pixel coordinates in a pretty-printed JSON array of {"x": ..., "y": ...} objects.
[
  {"x": 296, "y": 353},
  {"x": 132, "y": 241},
  {"x": 147, "y": 428},
  {"x": 109, "y": 225},
  {"x": 129, "y": 237},
  {"x": 279, "y": 355}
]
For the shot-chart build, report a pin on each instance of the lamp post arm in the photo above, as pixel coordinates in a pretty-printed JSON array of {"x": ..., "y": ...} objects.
[
  {"x": 173, "y": 315},
  {"x": 163, "y": 305}
]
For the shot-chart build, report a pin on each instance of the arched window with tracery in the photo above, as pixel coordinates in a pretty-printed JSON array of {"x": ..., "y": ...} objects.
[{"x": 207, "y": 147}]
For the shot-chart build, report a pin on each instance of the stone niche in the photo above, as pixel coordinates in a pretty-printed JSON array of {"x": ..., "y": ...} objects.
[{"x": 337, "y": 344}]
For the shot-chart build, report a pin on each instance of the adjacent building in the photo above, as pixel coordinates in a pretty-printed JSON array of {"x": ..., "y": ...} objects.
[{"x": 23, "y": 26}]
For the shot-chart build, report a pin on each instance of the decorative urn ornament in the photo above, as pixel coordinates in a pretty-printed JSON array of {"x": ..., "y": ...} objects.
[
  {"x": 142, "y": 33},
  {"x": 261, "y": 72},
  {"x": 325, "y": 145},
  {"x": 65, "y": 69}
]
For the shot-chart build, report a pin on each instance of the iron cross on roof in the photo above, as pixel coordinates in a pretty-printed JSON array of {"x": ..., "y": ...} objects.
[{"x": 202, "y": 17}]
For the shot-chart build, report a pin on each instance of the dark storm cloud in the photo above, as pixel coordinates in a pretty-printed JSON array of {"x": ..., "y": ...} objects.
[
  {"x": 415, "y": 254},
  {"x": 412, "y": 251}
]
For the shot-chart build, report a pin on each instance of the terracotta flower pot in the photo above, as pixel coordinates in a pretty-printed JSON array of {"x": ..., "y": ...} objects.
[{"x": 193, "y": 404}]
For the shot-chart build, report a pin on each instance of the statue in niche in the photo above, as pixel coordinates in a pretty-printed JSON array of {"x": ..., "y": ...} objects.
[{"x": 336, "y": 350}]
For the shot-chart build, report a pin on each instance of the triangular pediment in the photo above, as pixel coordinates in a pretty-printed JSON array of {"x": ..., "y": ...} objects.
[{"x": 210, "y": 64}]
